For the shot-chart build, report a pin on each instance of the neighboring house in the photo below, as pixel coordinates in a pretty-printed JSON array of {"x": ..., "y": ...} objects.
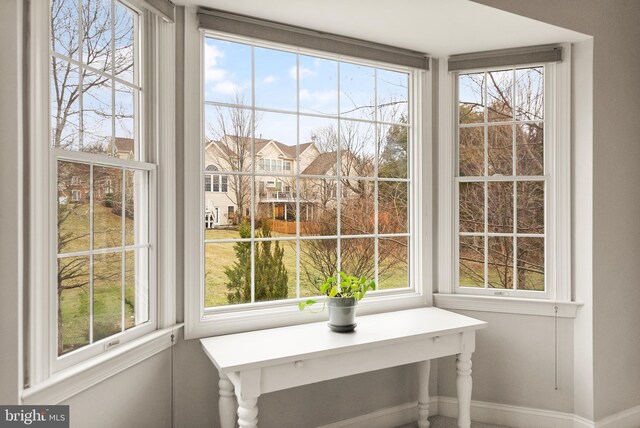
[
  {"x": 275, "y": 190},
  {"x": 74, "y": 182},
  {"x": 124, "y": 148}
]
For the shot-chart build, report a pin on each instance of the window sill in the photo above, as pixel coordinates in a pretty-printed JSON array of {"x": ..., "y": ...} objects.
[
  {"x": 509, "y": 305},
  {"x": 214, "y": 324},
  {"x": 69, "y": 382}
]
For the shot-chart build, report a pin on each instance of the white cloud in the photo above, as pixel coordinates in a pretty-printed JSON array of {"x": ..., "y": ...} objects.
[
  {"x": 226, "y": 87},
  {"x": 304, "y": 72},
  {"x": 318, "y": 97},
  {"x": 212, "y": 73},
  {"x": 218, "y": 79},
  {"x": 270, "y": 79}
]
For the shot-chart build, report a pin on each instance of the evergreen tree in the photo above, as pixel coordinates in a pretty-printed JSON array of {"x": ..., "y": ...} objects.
[
  {"x": 271, "y": 276},
  {"x": 239, "y": 276},
  {"x": 393, "y": 152}
]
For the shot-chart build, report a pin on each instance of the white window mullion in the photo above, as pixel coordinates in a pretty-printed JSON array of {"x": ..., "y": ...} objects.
[
  {"x": 297, "y": 176},
  {"x": 485, "y": 235},
  {"x": 80, "y": 74},
  {"x": 339, "y": 181},
  {"x": 123, "y": 252},
  {"x": 514, "y": 164},
  {"x": 95, "y": 70},
  {"x": 252, "y": 215},
  {"x": 91, "y": 256},
  {"x": 486, "y": 174},
  {"x": 112, "y": 141},
  {"x": 376, "y": 155}
]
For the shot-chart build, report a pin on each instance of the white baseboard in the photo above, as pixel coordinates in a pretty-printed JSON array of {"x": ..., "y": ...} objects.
[
  {"x": 512, "y": 416},
  {"x": 385, "y": 418},
  {"x": 629, "y": 418},
  {"x": 500, "y": 414}
]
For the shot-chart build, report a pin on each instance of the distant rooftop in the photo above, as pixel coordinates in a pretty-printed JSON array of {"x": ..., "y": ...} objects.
[{"x": 261, "y": 143}]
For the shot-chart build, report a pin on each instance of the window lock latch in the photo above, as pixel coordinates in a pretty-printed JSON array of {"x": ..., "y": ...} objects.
[{"x": 111, "y": 344}]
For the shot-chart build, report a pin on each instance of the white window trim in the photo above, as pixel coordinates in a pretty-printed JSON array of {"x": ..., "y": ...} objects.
[
  {"x": 201, "y": 323},
  {"x": 158, "y": 124},
  {"x": 67, "y": 383},
  {"x": 558, "y": 215}
]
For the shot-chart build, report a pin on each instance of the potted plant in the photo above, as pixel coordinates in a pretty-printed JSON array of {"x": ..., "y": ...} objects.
[{"x": 343, "y": 294}]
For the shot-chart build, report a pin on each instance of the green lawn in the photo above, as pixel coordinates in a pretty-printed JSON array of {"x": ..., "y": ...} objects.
[
  {"x": 74, "y": 304},
  {"x": 221, "y": 256}
]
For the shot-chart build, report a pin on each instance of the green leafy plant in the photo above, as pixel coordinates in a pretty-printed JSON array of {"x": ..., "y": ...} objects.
[{"x": 342, "y": 285}]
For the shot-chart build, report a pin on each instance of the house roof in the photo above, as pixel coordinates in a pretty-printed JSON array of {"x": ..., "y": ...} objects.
[
  {"x": 124, "y": 144},
  {"x": 261, "y": 143},
  {"x": 322, "y": 164},
  {"x": 288, "y": 151}
]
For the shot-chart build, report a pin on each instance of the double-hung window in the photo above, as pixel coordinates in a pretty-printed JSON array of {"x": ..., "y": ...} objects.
[
  {"x": 511, "y": 179},
  {"x": 94, "y": 189},
  {"x": 101, "y": 284},
  {"x": 502, "y": 181},
  {"x": 350, "y": 204}
]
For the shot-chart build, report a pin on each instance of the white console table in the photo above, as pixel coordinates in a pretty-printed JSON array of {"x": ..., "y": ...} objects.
[{"x": 257, "y": 362}]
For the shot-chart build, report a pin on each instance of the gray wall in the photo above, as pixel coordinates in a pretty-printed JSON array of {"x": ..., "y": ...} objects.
[
  {"x": 514, "y": 362},
  {"x": 616, "y": 174},
  {"x": 138, "y": 397},
  {"x": 582, "y": 225},
  {"x": 11, "y": 146}
]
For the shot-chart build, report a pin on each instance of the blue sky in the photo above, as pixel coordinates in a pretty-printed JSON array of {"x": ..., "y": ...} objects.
[{"x": 227, "y": 72}]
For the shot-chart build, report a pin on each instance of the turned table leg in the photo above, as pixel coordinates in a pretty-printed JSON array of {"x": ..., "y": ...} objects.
[
  {"x": 248, "y": 413},
  {"x": 227, "y": 404},
  {"x": 424, "y": 368},
  {"x": 464, "y": 385}
]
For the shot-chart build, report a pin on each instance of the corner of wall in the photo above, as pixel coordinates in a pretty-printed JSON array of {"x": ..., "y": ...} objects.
[{"x": 582, "y": 225}]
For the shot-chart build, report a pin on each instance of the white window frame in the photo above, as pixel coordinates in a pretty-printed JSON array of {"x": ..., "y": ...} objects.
[
  {"x": 52, "y": 378},
  {"x": 556, "y": 299},
  {"x": 201, "y": 322}
]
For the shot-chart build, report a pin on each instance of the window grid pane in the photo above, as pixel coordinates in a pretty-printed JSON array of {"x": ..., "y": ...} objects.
[
  {"x": 103, "y": 237},
  {"x": 501, "y": 178},
  {"x": 95, "y": 112},
  {"x": 96, "y": 229},
  {"x": 318, "y": 198}
]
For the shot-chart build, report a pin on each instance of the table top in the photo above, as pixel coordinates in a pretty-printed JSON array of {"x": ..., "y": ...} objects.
[{"x": 254, "y": 349}]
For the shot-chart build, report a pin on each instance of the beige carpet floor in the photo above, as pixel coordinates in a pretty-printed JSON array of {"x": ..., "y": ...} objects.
[{"x": 443, "y": 422}]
